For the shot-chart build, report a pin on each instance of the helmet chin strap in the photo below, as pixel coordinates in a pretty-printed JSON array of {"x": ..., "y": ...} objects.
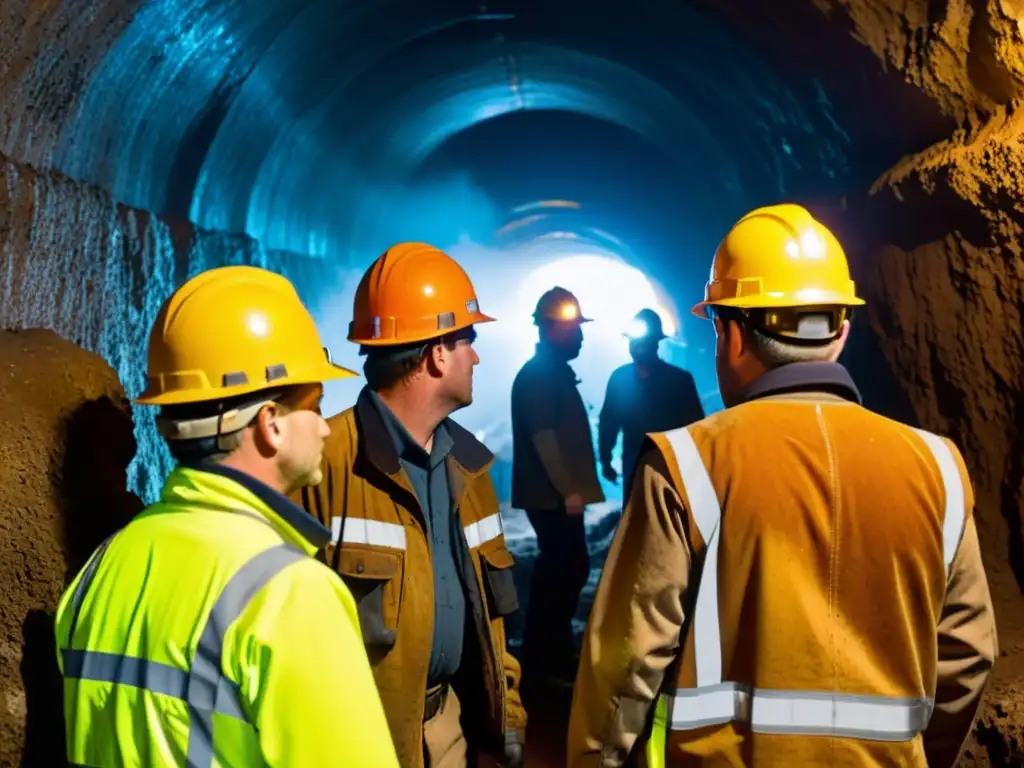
[{"x": 222, "y": 424}]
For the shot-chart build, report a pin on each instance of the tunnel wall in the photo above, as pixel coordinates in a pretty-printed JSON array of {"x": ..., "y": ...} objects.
[
  {"x": 948, "y": 296},
  {"x": 74, "y": 261},
  {"x": 64, "y": 451},
  {"x": 939, "y": 242}
]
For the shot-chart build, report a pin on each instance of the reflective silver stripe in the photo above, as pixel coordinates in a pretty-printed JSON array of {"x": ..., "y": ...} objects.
[
  {"x": 142, "y": 673},
  {"x": 206, "y": 687},
  {"x": 803, "y": 713},
  {"x": 484, "y": 530},
  {"x": 703, "y": 503},
  {"x": 956, "y": 505},
  {"x": 359, "y": 530},
  {"x": 714, "y": 702},
  {"x": 83, "y": 585}
]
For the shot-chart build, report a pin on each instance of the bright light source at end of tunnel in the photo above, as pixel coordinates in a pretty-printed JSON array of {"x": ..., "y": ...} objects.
[{"x": 610, "y": 292}]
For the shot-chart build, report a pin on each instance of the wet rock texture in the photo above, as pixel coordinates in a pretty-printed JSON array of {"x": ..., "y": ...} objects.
[
  {"x": 64, "y": 451},
  {"x": 74, "y": 261}
]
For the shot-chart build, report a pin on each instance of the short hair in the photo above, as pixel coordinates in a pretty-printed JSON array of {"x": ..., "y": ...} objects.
[
  {"x": 774, "y": 352},
  {"x": 386, "y": 367},
  {"x": 216, "y": 448}
]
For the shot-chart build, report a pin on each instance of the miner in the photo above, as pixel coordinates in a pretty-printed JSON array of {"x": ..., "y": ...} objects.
[
  {"x": 204, "y": 632},
  {"x": 796, "y": 580},
  {"x": 646, "y": 395},
  {"x": 554, "y": 478},
  {"x": 415, "y": 527}
]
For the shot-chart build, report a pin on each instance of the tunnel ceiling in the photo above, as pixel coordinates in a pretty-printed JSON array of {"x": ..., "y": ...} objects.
[{"x": 291, "y": 120}]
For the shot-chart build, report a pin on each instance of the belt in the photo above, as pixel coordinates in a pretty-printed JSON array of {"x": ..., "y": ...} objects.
[{"x": 436, "y": 698}]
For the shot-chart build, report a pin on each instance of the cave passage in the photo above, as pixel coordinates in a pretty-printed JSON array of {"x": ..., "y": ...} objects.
[{"x": 605, "y": 147}]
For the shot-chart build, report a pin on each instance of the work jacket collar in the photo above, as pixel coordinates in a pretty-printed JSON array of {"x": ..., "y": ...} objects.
[
  {"x": 406, "y": 445},
  {"x": 378, "y": 446},
  {"x": 213, "y": 486},
  {"x": 829, "y": 378}
]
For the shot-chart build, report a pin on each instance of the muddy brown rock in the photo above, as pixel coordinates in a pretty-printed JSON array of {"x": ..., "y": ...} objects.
[{"x": 64, "y": 450}]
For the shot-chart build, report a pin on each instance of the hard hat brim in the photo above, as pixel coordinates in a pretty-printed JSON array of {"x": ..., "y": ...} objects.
[
  {"x": 646, "y": 337},
  {"x": 700, "y": 309},
  {"x": 566, "y": 321},
  {"x": 477, "y": 318},
  {"x": 327, "y": 372}
]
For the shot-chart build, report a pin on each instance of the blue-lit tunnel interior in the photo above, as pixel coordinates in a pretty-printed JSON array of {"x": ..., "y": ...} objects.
[
  {"x": 331, "y": 129},
  {"x": 603, "y": 146}
]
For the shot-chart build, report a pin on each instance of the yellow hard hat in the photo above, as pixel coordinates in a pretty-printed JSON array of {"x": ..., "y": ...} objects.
[
  {"x": 233, "y": 331},
  {"x": 779, "y": 257}
]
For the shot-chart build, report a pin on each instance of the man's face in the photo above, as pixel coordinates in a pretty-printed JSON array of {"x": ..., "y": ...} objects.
[
  {"x": 643, "y": 350},
  {"x": 456, "y": 366},
  {"x": 300, "y": 434},
  {"x": 567, "y": 338}
]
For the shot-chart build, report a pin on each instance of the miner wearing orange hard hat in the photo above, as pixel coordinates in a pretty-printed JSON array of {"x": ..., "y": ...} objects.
[
  {"x": 205, "y": 632},
  {"x": 795, "y": 580},
  {"x": 415, "y": 527}
]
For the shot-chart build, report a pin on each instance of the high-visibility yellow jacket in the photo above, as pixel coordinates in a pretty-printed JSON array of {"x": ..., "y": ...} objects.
[
  {"x": 800, "y": 580},
  {"x": 204, "y": 634}
]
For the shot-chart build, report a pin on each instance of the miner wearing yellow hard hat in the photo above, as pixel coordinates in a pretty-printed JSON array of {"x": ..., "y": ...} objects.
[
  {"x": 796, "y": 580},
  {"x": 204, "y": 632}
]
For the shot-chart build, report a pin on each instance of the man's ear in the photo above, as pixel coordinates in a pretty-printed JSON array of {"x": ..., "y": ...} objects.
[
  {"x": 268, "y": 427},
  {"x": 844, "y": 334},
  {"x": 736, "y": 339},
  {"x": 436, "y": 358}
]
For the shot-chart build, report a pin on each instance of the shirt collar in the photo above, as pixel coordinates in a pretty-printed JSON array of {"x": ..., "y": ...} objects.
[
  {"x": 216, "y": 486},
  {"x": 406, "y": 445}
]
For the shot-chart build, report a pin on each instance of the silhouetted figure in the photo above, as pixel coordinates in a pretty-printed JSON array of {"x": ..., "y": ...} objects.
[
  {"x": 647, "y": 395},
  {"x": 554, "y": 476}
]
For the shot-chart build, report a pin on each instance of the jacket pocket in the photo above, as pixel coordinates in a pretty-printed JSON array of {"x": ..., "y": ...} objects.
[
  {"x": 375, "y": 579},
  {"x": 502, "y": 598}
]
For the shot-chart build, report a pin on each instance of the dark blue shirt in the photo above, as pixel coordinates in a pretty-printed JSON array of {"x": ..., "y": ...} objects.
[{"x": 429, "y": 479}]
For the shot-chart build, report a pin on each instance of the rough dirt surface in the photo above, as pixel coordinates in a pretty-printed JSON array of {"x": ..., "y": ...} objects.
[
  {"x": 66, "y": 443},
  {"x": 938, "y": 257}
]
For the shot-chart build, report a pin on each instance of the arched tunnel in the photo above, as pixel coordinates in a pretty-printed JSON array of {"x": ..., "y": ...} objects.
[{"x": 141, "y": 143}]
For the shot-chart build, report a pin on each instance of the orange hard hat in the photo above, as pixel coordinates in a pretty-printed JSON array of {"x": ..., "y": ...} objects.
[
  {"x": 412, "y": 292},
  {"x": 779, "y": 257},
  {"x": 233, "y": 331}
]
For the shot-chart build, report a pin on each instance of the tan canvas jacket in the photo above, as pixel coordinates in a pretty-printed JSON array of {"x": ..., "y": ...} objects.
[
  {"x": 380, "y": 547},
  {"x": 800, "y": 578}
]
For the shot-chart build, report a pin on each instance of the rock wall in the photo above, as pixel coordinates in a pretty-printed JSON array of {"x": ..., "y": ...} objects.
[
  {"x": 937, "y": 249},
  {"x": 64, "y": 451},
  {"x": 946, "y": 315},
  {"x": 74, "y": 261}
]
